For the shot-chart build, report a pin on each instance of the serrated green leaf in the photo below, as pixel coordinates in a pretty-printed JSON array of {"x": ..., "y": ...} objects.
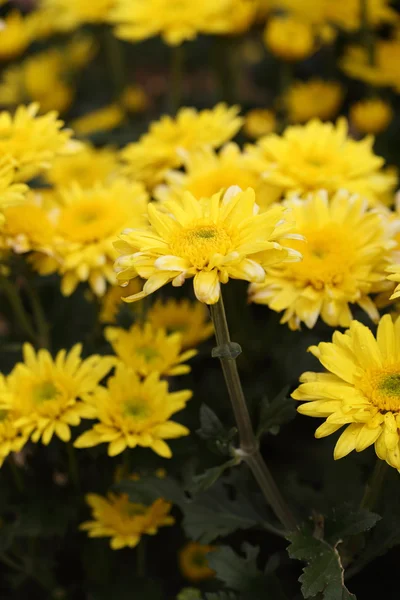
[
  {"x": 211, "y": 426},
  {"x": 276, "y": 413},
  {"x": 208, "y": 478},
  {"x": 343, "y": 522},
  {"x": 385, "y": 536},
  {"x": 324, "y": 572}
]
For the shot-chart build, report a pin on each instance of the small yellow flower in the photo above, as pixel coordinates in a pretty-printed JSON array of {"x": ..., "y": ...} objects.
[
  {"x": 361, "y": 390},
  {"x": 371, "y": 116},
  {"x": 212, "y": 240},
  {"x": 16, "y": 35},
  {"x": 66, "y": 15},
  {"x": 47, "y": 394},
  {"x": 259, "y": 122},
  {"x": 123, "y": 521},
  {"x": 318, "y": 156},
  {"x": 193, "y": 562},
  {"x": 134, "y": 412},
  {"x": 106, "y": 118},
  {"x": 113, "y": 299},
  {"x": 146, "y": 349},
  {"x": 12, "y": 437},
  {"x": 289, "y": 39},
  {"x": 190, "y": 319},
  {"x": 313, "y": 99},
  {"x": 386, "y": 68},
  {"x": 31, "y": 141},
  {"x": 11, "y": 194},
  {"x": 345, "y": 251},
  {"x": 161, "y": 148},
  {"x": 134, "y": 99}
]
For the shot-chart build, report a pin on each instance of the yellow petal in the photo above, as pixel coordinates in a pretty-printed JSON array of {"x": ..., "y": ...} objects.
[
  {"x": 161, "y": 448},
  {"x": 63, "y": 431},
  {"x": 207, "y": 287},
  {"x": 88, "y": 439},
  {"x": 347, "y": 441},
  {"x": 367, "y": 437},
  {"x": 117, "y": 446}
]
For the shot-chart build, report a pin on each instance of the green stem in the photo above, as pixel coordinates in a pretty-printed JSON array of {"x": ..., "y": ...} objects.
[
  {"x": 249, "y": 449},
  {"x": 225, "y": 61},
  {"x": 141, "y": 558},
  {"x": 42, "y": 327},
  {"x": 73, "y": 465},
  {"x": 16, "y": 475},
  {"x": 115, "y": 61},
  {"x": 21, "y": 317},
  {"x": 374, "y": 486},
  {"x": 367, "y": 32},
  {"x": 285, "y": 81},
  {"x": 176, "y": 75}
]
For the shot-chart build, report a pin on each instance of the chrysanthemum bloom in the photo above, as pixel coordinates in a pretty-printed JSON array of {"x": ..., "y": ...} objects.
[
  {"x": 161, "y": 148},
  {"x": 48, "y": 393},
  {"x": 360, "y": 390},
  {"x": 345, "y": 252},
  {"x": 207, "y": 173},
  {"x": 234, "y": 17},
  {"x": 11, "y": 194},
  {"x": 305, "y": 100},
  {"x": 86, "y": 224},
  {"x": 371, "y": 116},
  {"x": 16, "y": 35},
  {"x": 134, "y": 412},
  {"x": 106, "y": 118},
  {"x": 318, "y": 156},
  {"x": 71, "y": 14},
  {"x": 259, "y": 122},
  {"x": 289, "y": 39},
  {"x": 146, "y": 349},
  {"x": 193, "y": 562},
  {"x": 123, "y": 521},
  {"x": 190, "y": 319},
  {"x": 212, "y": 240},
  {"x": 12, "y": 438},
  {"x": 87, "y": 166},
  {"x": 32, "y": 141},
  {"x": 385, "y": 72}
]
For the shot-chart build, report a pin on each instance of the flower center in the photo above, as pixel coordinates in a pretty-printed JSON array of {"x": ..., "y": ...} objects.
[
  {"x": 382, "y": 388},
  {"x": 90, "y": 220},
  {"x": 199, "y": 560},
  {"x": 200, "y": 243},
  {"x": 45, "y": 391},
  {"x": 3, "y": 415},
  {"x": 136, "y": 408},
  {"x": 148, "y": 353}
]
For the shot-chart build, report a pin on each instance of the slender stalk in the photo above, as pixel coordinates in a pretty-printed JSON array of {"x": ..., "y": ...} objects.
[
  {"x": 249, "y": 449},
  {"x": 115, "y": 61},
  {"x": 285, "y": 81},
  {"x": 226, "y": 67},
  {"x": 16, "y": 475},
  {"x": 175, "y": 80},
  {"x": 367, "y": 32},
  {"x": 73, "y": 465},
  {"x": 374, "y": 486},
  {"x": 21, "y": 317},
  {"x": 141, "y": 558},
  {"x": 42, "y": 326}
]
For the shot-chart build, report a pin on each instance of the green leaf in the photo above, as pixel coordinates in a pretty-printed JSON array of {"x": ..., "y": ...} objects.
[
  {"x": 208, "y": 478},
  {"x": 343, "y": 522},
  {"x": 324, "y": 572},
  {"x": 189, "y": 594},
  {"x": 149, "y": 488},
  {"x": 276, "y": 413},
  {"x": 385, "y": 535},
  {"x": 221, "y": 596},
  {"x": 211, "y": 426}
]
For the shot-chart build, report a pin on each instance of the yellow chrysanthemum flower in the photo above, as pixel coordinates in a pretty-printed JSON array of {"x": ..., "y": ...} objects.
[
  {"x": 10, "y": 193},
  {"x": 345, "y": 252},
  {"x": 212, "y": 240},
  {"x": 135, "y": 99},
  {"x": 193, "y": 562},
  {"x": 190, "y": 319},
  {"x": 135, "y": 412},
  {"x": 113, "y": 299},
  {"x": 71, "y": 14},
  {"x": 87, "y": 167},
  {"x": 321, "y": 156},
  {"x": 106, "y": 118},
  {"x": 123, "y": 521},
  {"x": 236, "y": 16},
  {"x": 147, "y": 349},
  {"x": 12, "y": 437},
  {"x": 360, "y": 390},
  {"x": 86, "y": 223},
  {"x": 371, "y": 116},
  {"x": 160, "y": 149},
  {"x": 289, "y": 39},
  {"x": 48, "y": 394},
  {"x": 305, "y": 100},
  {"x": 259, "y": 122},
  {"x": 16, "y": 35},
  {"x": 31, "y": 141},
  {"x": 386, "y": 68},
  {"x": 207, "y": 173}
]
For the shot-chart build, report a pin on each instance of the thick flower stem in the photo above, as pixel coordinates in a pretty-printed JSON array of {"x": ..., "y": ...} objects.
[
  {"x": 42, "y": 326},
  {"x": 22, "y": 319},
  {"x": 175, "y": 80},
  {"x": 374, "y": 486},
  {"x": 227, "y": 352}
]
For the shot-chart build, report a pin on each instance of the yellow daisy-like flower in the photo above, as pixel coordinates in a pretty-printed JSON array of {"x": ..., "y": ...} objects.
[
  {"x": 190, "y": 319},
  {"x": 11, "y": 194},
  {"x": 259, "y": 122},
  {"x": 305, "y": 100},
  {"x": 16, "y": 35},
  {"x": 147, "y": 349},
  {"x": 48, "y": 394},
  {"x": 86, "y": 224},
  {"x": 360, "y": 390},
  {"x": 31, "y": 141},
  {"x": 160, "y": 149},
  {"x": 12, "y": 438},
  {"x": 123, "y": 521},
  {"x": 135, "y": 412},
  {"x": 87, "y": 166},
  {"x": 212, "y": 240},
  {"x": 386, "y": 68},
  {"x": 371, "y": 116},
  {"x": 345, "y": 252},
  {"x": 106, "y": 118},
  {"x": 193, "y": 562},
  {"x": 289, "y": 39},
  {"x": 207, "y": 173},
  {"x": 71, "y": 14},
  {"x": 321, "y": 156},
  {"x": 135, "y": 99},
  {"x": 113, "y": 299}
]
